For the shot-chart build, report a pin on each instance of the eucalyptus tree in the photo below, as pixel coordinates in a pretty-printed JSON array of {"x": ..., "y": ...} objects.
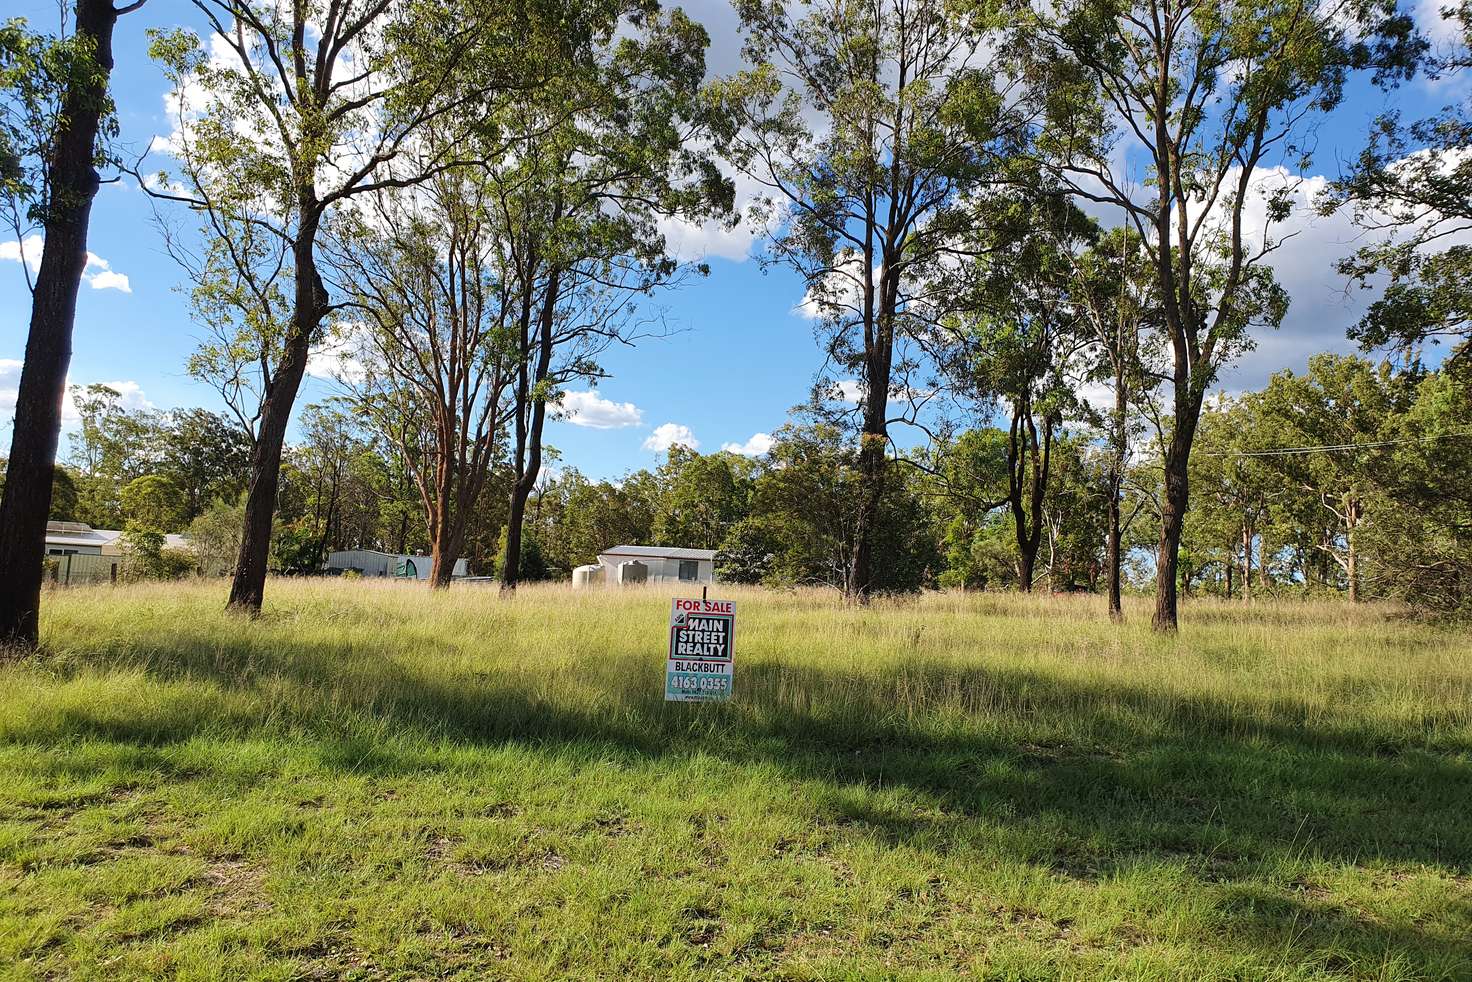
[
  {"x": 606, "y": 152},
  {"x": 432, "y": 361},
  {"x": 1022, "y": 340},
  {"x": 1420, "y": 549},
  {"x": 1183, "y": 116},
  {"x": 1237, "y": 489},
  {"x": 1412, "y": 187},
  {"x": 56, "y": 117},
  {"x": 864, "y": 124},
  {"x": 289, "y": 113},
  {"x": 1111, "y": 287},
  {"x": 703, "y": 496},
  {"x": 1344, "y": 411}
]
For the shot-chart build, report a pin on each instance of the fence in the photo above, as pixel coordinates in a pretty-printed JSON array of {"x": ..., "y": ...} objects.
[{"x": 79, "y": 568}]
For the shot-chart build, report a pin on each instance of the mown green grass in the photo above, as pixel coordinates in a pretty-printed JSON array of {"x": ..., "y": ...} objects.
[{"x": 373, "y": 782}]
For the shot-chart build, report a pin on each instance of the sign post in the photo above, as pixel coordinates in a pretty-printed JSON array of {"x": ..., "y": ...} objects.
[{"x": 702, "y": 645}]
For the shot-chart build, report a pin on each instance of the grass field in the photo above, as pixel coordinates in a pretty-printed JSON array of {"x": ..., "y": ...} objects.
[{"x": 373, "y": 782}]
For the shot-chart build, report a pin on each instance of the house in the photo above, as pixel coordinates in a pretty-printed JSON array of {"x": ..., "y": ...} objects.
[
  {"x": 78, "y": 553},
  {"x": 80, "y": 539},
  {"x": 660, "y": 564},
  {"x": 371, "y": 562}
]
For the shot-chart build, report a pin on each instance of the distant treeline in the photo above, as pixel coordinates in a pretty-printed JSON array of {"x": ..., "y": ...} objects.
[{"x": 1352, "y": 478}]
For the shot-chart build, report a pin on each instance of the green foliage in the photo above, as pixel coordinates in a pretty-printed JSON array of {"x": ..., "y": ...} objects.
[
  {"x": 578, "y": 518},
  {"x": 294, "y": 549},
  {"x": 979, "y": 556},
  {"x": 1074, "y": 516},
  {"x": 747, "y": 552},
  {"x": 701, "y": 497},
  {"x": 147, "y": 558},
  {"x": 215, "y": 537},
  {"x": 192, "y": 456},
  {"x": 804, "y": 515},
  {"x": 38, "y": 73},
  {"x": 1348, "y": 477},
  {"x": 1419, "y": 545},
  {"x": 1414, "y": 180},
  {"x": 155, "y": 501},
  {"x": 533, "y": 561},
  {"x": 207, "y": 455},
  {"x": 64, "y": 493}
]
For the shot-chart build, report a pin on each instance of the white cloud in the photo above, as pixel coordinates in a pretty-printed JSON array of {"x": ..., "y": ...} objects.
[
  {"x": 756, "y": 446},
  {"x": 98, "y": 272},
  {"x": 28, "y": 250},
  {"x": 163, "y": 144},
  {"x": 840, "y": 292},
  {"x": 590, "y": 409},
  {"x": 1322, "y": 305},
  {"x": 1442, "y": 30},
  {"x": 130, "y": 394},
  {"x": 667, "y": 435},
  {"x": 9, "y": 388},
  {"x": 108, "y": 280},
  {"x": 690, "y": 241},
  {"x": 340, "y": 356},
  {"x": 849, "y": 390}
]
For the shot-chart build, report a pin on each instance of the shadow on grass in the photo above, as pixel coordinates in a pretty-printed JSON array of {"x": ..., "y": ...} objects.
[{"x": 1103, "y": 777}]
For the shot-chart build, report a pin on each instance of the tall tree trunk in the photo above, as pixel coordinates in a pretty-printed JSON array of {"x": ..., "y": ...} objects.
[
  {"x": 1351, "y": 550},
  {"x": 1167, "y": 556},
  {"x": 248, "y": 589},
  {"x": 1177, "y": 497},
  {"x": 73, "y": 183},
  {"x": 872, "y": 461},
  {"x": 1024, "y": 448},
  {"x": 1026, "y": 565},
  {"x": 1247, "y": 562},
  {"x": 319, "y": 553},
  {"x": 531, "y": 416},
  {"x": 879, "y": 328},
  {"x": 1116, "y": 484},
  {"x": 448, "y": 544},
  {"x": 873, "y": 456}
]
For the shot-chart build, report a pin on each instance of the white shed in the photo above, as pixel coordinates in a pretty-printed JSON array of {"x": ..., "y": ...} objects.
[
  {"x": 667, "y": 564},
  {"x": 371, "y": 562}
]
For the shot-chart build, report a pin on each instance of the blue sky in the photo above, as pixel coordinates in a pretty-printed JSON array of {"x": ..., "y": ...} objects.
[{"x": 740, "y": 355}]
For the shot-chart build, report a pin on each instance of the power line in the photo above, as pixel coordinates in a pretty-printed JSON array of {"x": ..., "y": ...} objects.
[{"x": 1333, "y": 448}]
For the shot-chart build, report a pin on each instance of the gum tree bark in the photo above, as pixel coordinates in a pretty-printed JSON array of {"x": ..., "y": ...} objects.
[{"x": 73, "y": 182}]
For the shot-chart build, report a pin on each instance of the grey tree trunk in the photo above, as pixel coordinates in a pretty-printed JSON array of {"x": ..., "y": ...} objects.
[
  {"x": 73, "y": 183},
  {"x": 248, "y": 588}
]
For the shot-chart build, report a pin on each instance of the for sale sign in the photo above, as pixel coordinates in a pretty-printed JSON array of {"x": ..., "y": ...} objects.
[{"x": 702, "y": 634}]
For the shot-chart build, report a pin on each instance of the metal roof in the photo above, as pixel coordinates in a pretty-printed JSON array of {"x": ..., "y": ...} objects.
[
  {"x": 84, "y": 537},
  {"x": 658, "y": 552},
  {"x": 101, "y": 537}
]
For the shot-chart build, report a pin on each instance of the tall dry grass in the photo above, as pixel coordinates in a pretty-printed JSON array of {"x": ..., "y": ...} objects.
[{"x": 551, "y": 661}]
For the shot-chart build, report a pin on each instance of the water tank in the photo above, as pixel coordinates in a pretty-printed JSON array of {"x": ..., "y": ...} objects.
[
  {"x": 632, "y": 571},
  {"x": 586, "y": 576}
]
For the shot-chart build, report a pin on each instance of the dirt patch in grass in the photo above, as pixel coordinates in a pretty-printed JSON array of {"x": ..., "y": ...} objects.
[{"x": 237, "y": 888}]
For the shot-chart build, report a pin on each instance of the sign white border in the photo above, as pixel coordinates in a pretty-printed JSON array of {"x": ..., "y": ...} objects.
[{"x": 709, "y": 678}]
